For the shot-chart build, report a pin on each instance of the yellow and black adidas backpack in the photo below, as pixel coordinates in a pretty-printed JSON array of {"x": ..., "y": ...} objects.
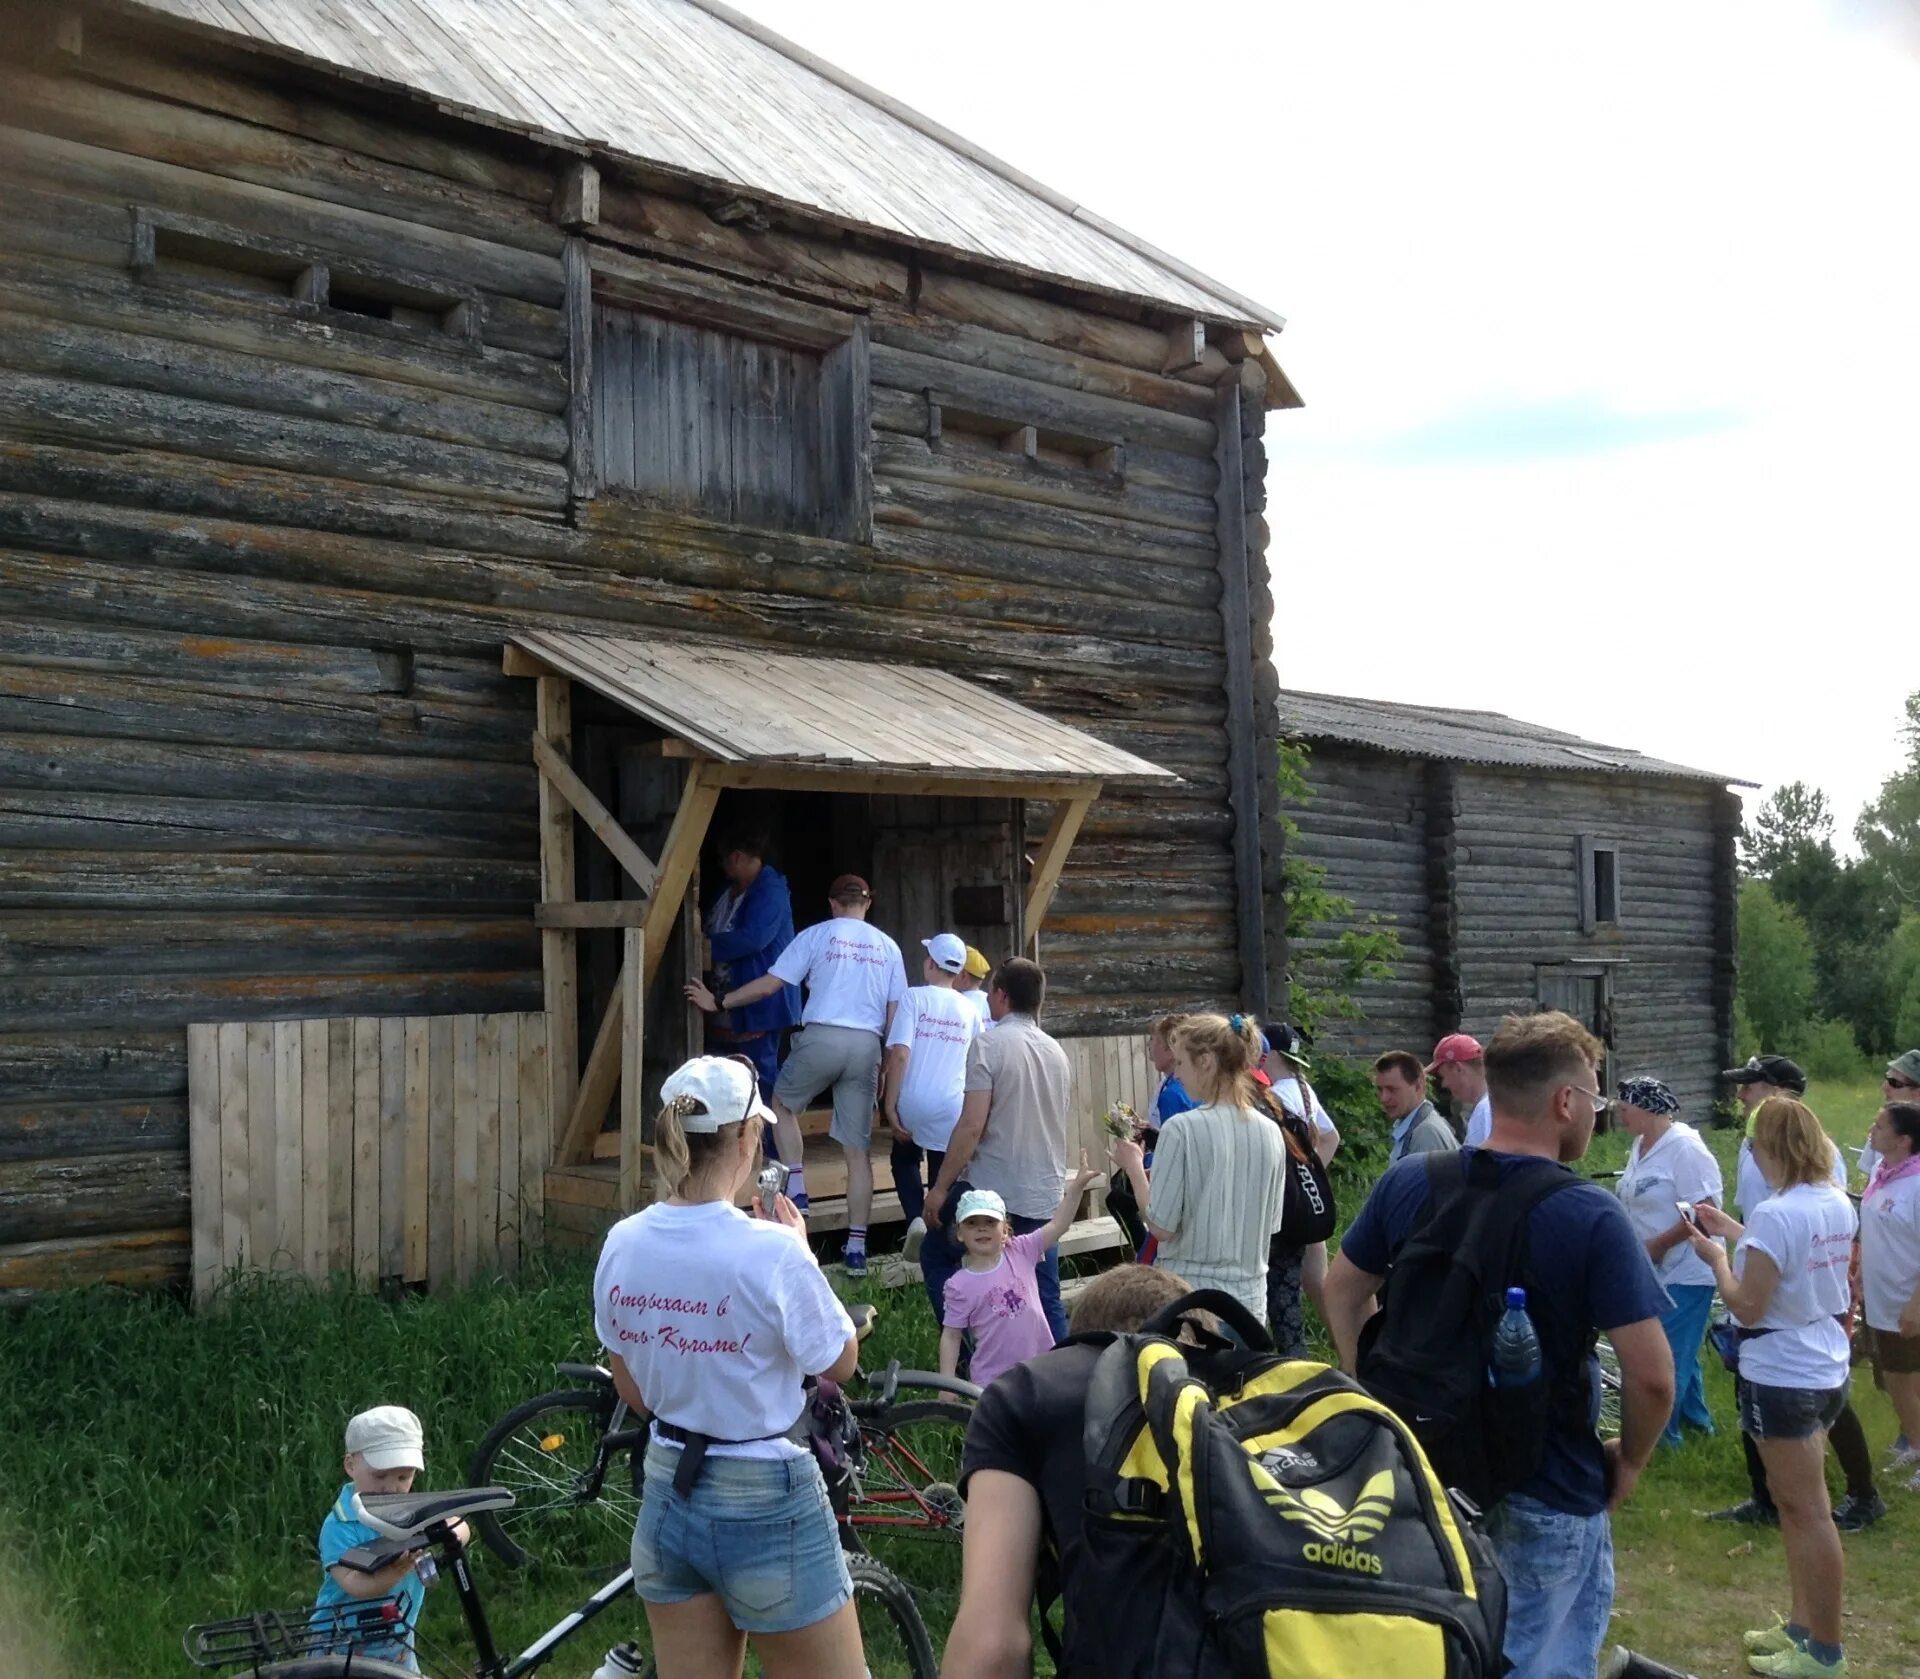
[{"x": 1265, "y": 1518}]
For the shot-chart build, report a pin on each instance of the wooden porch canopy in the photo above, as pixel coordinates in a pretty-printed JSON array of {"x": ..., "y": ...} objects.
[{"x": 748, "y": 717}]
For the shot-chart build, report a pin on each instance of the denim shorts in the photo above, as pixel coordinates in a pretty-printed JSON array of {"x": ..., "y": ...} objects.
[
  {"x": 756, "y": 1531},
  {"x": 1774, "y": 1413}
]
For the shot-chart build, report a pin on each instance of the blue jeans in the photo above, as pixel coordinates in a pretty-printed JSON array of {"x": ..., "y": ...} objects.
[
  {"x": 940, "y": 1258},
  {"x": 1559, "y": 1571},
  {"x": 906, "y": 1176},
  {"x": 1685, "y": 1327}
]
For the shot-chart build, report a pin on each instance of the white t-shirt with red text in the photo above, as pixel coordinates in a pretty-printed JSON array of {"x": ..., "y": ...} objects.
[
  {"x": 851, "y": 972},
  {"x": 1890, "y": 1250},
  {"x": 1807, "y": 1231},
  {"x": 719, "y": 1316},
  {"x": 936, "y": 1025}
]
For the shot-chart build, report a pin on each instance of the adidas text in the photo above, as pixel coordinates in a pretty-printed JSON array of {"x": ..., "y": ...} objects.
[{"x": 1342, "y": 1556}]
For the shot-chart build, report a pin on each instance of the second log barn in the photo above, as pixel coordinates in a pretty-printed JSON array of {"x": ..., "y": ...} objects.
[{"x": 455, "y": 461}]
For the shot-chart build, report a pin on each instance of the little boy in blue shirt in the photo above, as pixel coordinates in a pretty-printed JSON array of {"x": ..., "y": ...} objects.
[{"x": 385, "y": 1450}]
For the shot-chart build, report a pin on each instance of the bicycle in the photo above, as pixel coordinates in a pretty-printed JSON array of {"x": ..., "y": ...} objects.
[
  {"x": 307, "y": 1644},
  {"x": 561, "y": 1455}
]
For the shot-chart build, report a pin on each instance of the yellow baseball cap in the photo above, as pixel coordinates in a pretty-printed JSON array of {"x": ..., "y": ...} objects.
[{"x": 977, "y": 965}]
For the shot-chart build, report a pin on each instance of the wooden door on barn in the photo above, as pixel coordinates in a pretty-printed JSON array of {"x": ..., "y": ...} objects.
[
  {"x": 945, "y": 865},
  {"x": 1586, "y": 993}
]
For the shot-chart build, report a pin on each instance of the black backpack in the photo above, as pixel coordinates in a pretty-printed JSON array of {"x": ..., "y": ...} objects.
[
  {"x": 1424, "y": 1354},
  {"x": 1253, "y": 1517}
]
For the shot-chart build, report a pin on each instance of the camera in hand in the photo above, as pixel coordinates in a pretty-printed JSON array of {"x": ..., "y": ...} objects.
[
  {"x": 772, "y": 1184},
  {"x": 1688, "y": 1212}
]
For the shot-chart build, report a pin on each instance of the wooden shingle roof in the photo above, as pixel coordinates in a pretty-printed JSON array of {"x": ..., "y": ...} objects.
[
  {"x": 698, "y": 88},
  {"x": 1467, "y": 737}
]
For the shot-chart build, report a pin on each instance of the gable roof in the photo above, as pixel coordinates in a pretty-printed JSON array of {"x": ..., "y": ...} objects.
[
  {"x": 1467, "y": 737},
  {"x": 696, "y": 87}
]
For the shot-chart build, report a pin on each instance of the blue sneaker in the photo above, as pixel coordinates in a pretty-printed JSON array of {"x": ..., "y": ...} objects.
[{"x": 856, "y": 1262}]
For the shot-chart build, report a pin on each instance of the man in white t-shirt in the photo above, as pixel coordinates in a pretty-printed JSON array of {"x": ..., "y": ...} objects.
[
  {"x": 854, "y": 979},
  {"x": 924, "y": 1079},
  {"x": 1462, "y": 1071}
]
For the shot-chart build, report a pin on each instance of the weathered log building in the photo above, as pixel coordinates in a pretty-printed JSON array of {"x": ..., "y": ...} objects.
[
  {"x": 360, "y": 362},
  {"x": 1521, "y": 868}
]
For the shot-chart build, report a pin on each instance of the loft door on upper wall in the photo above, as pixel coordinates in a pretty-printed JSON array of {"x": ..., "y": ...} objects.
[{"x": 945, "y": 866}]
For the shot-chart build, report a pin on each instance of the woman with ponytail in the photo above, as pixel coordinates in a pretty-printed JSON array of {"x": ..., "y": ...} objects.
[
  {"x": 713, "y": 1319},
  {"x": 1218, "y": 1179}
]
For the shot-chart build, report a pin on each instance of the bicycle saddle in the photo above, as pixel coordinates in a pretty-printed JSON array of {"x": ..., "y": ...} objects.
[{"x": 402, "y": 1515}]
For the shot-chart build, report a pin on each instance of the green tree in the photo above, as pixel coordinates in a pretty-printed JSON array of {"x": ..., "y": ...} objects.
[
  {"x": 1776, "y": 967},
  {"x": 1889, "y": 828},
  {"x": 1903, "y": 985},
  {"x": 1794, "y": 822}
]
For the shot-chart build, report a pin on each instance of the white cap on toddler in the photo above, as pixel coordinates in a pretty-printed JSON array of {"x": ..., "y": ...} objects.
[
  {"x": 980, "y": 1203},
  {"x": 388, "y": 1437}
]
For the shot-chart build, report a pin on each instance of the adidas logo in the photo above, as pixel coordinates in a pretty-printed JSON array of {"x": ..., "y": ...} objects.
[
  {"x": 1340, "y": 1529},
  {"x": 1342, "y": 1556}
]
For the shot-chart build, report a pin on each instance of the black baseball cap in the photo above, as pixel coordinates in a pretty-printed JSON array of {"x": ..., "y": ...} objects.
[{"x": 1772, "y": 1069}]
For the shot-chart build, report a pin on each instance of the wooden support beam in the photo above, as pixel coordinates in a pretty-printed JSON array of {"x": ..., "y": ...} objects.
[
  {"x": 1186, "y": 346},
  {"x": 677, "y": 858},
  {"x": 610, "y": 912},
  {"x": 605, "y": 826},
  {"x": 517, "y": 661},
  {"x": 577, "y": 263},
  {"x": 1022, "y": 440},
  {"x": 633, "y": 1014},
  {"x": 668, "y": 747},
  {"x": 559, "y": 947},
  {"x": 1052, "y": 858},
  {"x": 576, "y": 202}
]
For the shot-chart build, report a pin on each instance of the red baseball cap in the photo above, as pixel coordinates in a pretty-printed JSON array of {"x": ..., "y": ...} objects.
[
  {"x": 1454, "y": 1048},
  {"x": 847, "y": 887}
]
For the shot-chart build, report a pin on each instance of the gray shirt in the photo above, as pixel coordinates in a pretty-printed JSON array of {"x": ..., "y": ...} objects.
[
  {"x": 1023, "y": 1152},
  {"x": 1423, "y": 1131}
]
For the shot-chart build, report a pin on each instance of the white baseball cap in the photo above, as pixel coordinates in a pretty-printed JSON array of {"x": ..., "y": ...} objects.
[
  {"x": 949, "y": 952},
  {"x": 388, "y": 1437},
  {"x": 980, "y": 1203},
  {"x": 727, "y": 1091}
]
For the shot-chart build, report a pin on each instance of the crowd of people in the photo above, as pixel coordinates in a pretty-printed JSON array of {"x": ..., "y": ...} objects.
[{"x": 715, "y": 1313}]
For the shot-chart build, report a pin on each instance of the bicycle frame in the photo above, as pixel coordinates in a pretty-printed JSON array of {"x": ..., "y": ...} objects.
[{"x": 490, "y": 1663}]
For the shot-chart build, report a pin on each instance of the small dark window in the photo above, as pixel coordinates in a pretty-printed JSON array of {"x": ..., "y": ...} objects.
[
  {"x": 1599, "y": 862},
  {"x": 744, "y": 429}
]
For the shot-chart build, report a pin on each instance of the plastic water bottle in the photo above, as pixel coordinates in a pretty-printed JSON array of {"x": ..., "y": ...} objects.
[
  {"x": 623, "y": 1662},
  {"x": 1516, "y": 1348}
]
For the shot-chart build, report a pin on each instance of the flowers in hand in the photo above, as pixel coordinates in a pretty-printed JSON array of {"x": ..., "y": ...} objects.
[{"x": 1121, "y": 1121}]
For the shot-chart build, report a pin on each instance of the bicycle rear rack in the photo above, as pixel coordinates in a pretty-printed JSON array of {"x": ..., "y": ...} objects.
[{"x": 374, "y": 1628}]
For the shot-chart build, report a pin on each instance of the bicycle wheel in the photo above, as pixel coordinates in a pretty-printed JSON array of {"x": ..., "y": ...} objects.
[
  {"x": 568, "y": 1510},
  {"x": 334, "y": 1667},
  {"x": 910, "y": 1473},
  {"x": 892, "y": 1632},
  {"x": 1609, "y": 1389}
]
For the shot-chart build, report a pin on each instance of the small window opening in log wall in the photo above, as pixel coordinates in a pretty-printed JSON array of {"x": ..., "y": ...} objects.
[
  {"x": 737, "y": 427},
  {"x": 1599, "y": 883},
  {"x": 969, "y": 431}
]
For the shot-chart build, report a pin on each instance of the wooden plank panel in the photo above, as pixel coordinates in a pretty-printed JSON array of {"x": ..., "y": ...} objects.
[
  {"x": 486, "y": 1123},
  {"x": 339, "y": 1147},
  {"x": 315, "y": 1153},
  {"x": 536, "y": 1122},
  {"x": 393, "y": 1146},
  {"x": 413, "y": 1258},
  {"x": 440, "y": 1094},
  {"x": 366, "y": 1151},
  {"x": 632, "y": 1063},
  {"x": 506, "y": 1202},
  {"x": 262, "y": 1215},
  {"x": 203, "y": 1151},
  {"x": 466, "y": 1144}
]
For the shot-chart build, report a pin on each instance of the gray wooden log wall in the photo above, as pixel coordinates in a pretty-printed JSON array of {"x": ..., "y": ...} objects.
[{"x": 257, "y": 561}]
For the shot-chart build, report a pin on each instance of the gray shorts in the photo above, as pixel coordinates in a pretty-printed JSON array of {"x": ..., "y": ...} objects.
[{"x": 846, "y": 1058}]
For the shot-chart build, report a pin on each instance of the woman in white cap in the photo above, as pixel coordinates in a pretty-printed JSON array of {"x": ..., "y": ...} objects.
[
  {"x": 1669, "y": 1166},
  {"x": 714, "y": 1319}
]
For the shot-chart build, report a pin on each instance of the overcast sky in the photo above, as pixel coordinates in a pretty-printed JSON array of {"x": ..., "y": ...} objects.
[{"x": 1604, "y": 314}]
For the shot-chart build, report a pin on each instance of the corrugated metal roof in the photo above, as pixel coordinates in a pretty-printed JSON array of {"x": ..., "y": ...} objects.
[
  {"x": 1467, "y": 737},
  {"x": 751, "y": 705},
  {"x": 697, "y": 87}
]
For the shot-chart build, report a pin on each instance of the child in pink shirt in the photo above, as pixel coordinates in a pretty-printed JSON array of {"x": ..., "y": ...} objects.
[{"x": 994, "y": 1293}]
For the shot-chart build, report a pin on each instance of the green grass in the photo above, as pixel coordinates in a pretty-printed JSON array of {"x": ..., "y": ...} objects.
[{"x": 158, "y": 1467}]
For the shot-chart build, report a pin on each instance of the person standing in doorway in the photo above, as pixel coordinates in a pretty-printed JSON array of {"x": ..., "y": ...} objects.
[
  {"x": 1012, "y": 1135},
  {"x": 748, "y": 925},
  {"x": 854, "y": 979},
  {"x": 1759, "y": 1080},
  {"x": 970, "y": 986},
  {"x": 1462, "y": 1071},
  {"x": 923, "y": 1082},
  {"x": 1400, "y": 1081}
]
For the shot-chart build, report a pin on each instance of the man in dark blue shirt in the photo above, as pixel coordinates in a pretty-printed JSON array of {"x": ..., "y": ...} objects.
[
  {"x": 1590, "y": 1273},
  {"x": 748, "y": 925}
]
